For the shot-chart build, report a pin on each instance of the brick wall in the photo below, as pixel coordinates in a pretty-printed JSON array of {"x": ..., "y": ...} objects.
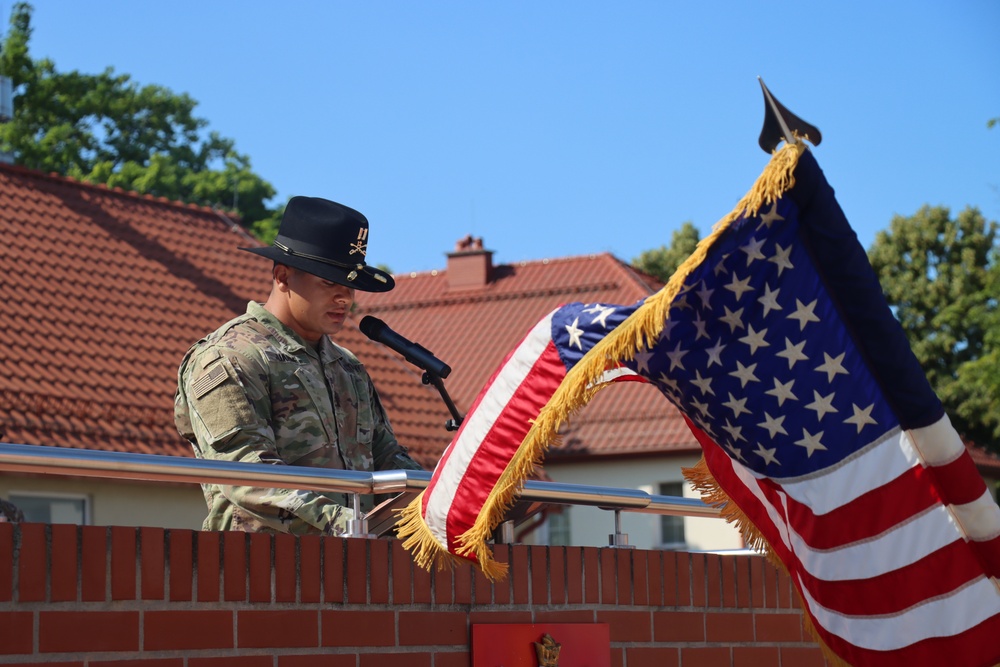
[{"x": 94, "y": 596}]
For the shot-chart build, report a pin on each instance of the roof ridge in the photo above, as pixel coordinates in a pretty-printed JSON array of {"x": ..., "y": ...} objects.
[{"x": 56, "y": 177}]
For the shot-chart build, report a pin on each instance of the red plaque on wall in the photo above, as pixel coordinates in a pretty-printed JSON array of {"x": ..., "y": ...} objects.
[{"x": 541, "y": 645}]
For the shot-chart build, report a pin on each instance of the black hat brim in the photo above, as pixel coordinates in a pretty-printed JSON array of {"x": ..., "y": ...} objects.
[{"x": 366, "y": 279}]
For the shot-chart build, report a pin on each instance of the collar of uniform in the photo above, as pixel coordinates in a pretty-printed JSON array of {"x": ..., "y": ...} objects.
[{"x": 290, "y": 340}]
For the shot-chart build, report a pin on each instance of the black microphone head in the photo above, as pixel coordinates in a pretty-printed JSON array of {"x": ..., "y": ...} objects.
[{"x": 371, "y": 326}]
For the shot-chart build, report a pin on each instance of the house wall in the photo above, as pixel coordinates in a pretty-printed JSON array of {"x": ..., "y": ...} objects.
[
  {"x": 116, "y": 503},
  {"x": 90, "y": 596},
  {"x": 592, "y": 526}
]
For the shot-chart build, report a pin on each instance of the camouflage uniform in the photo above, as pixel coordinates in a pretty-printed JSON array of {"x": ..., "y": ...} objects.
[{"x": 253, "y": 390}]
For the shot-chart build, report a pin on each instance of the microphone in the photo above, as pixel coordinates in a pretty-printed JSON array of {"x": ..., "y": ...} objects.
[{"x": 417, "y": 355}]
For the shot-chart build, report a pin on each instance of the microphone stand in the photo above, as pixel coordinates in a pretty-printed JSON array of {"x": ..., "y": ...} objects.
[{"x": 435, "y": 379}]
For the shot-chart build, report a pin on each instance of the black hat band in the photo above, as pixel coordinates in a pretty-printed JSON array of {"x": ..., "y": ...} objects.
[{"x": 352, "y": 268}]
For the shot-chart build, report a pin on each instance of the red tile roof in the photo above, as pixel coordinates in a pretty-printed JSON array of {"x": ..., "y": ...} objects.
[{"x": 473, "y": 328}]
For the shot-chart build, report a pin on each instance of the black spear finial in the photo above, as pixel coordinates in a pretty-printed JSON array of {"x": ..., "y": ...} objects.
[{"x": 780, "y": 124}]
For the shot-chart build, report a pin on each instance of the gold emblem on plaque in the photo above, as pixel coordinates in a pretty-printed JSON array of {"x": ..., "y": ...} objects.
[{"x": 548, "y": 651}]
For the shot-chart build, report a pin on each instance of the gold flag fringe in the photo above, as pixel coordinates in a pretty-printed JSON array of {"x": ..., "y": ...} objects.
[{"x": 583, "y": 381}]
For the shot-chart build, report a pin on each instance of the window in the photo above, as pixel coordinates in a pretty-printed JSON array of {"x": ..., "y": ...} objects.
[
  {"x": 52, "y": 508},
  {"x": 559, "y": 528},
  {"x": 672, "y": 527}
]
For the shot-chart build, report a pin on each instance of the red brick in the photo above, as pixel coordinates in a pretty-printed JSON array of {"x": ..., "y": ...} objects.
[
  {"x": 755, "y": 656},
  {"x": 640, "y": 584},
  {"x": 538, "y": 556},
  {"x": 627, "y": 626},
  {"x": 187, "y": 630},
  {"x": 609, "y": 571},
  {"x": 742, "y": 576},
  {"x": 558, "y": 560},
  {"x": 520, "y": 573},
  {"x": 771, "y": 586},
  {"x": 623, "y": 576},
  {"x": 80, "y": 632},
  {"x": 422, "y": 584},
  {"x": 654, "y": 578},
  {"x": 565, "y": 616},
  {"x": 682, "y": 565},
  {"x": 357, "y": 628},
  {"x": 64, "y": 569},
  {"x": 357, "y": 570},
  {"x": 309, "y": 568},
  {"x": 402, "y": 579},
  {"x": 32, "y": 563},
  {"x": 757, "y": 598},
  {"x": 709, "y": 657},
  {"x": 260, "y": 567},
  {"x": 518, "y": 617},
  {"x": 277, "y": 628},
  {"x": 726, "y": 628},
  {"x": 123, "y": 553},
  {"x": 501, "y": 587},
  {"x": 653, "y": 657},
  {"x": 395, "y": 659},
  {"x": 234, "y": 661},
  {"x": 574, "y": 575},
  {"x": 417, "y": 628},
  {"x": 139, "y": 662},
  {"x": 591, "y": 576},
  {"x": 378, "y": 556},
  {"x": 678, "y": 626},
  {"x": 801, "y": 656},
  {"x": 713, "y": 580},
  {"x": 462, "y": 577},
  {"x": 180, "y": 543},
  {"x": 454, "y": 659},
  {"x": 333, "y": 569},
  {"x": 209, "y": 565},
  {"x": 94, "y": 563},
  {"x": 285, "y": 574},
  {"x": 234, "y": 566},
  {"x": 699, "y": 580},
  {"x": 443, "y": 582},
  {"x": 18, "y": 632},
  {"x": 728, "y": 570},
  {"x": 317, "y": 660},
  {"x": 785, "y": 595},
  {"x": 153, "y": 565},
  {"x": 482, "y": 587},
  {"x": 778, "y": 627},
  {"x": 6, "y": 562}
]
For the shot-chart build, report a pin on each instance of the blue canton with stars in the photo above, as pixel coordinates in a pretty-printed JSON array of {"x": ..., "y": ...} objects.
[{"x": 756, "y": 355}]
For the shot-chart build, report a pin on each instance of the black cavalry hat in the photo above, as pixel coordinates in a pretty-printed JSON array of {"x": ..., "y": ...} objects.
[{"x": 328, "y": 240}]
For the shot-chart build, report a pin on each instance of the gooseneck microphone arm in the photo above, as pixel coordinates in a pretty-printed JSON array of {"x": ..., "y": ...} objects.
[{"x": 434, "y": 369}]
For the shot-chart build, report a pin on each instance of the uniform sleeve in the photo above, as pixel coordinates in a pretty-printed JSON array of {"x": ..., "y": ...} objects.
[
  {"x": 387, "y": 453},
  {"x": 229, "y": 409}
]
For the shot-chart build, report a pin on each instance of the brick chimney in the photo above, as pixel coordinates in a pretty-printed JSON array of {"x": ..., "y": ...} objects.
[{"x": 469, "y": 266}]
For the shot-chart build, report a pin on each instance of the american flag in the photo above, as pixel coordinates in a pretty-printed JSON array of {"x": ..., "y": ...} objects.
[
  {"x": 819, "y": 426},
  {"x": 486, "y": 457},
  {"x": 821, "y": 436}
]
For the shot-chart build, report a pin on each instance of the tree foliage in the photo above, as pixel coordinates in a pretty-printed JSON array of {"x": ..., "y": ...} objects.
[
  {"x": 942, "y": 277},
  {"x": 663, "y": 261},
  {"x": 105, "y": 128}
]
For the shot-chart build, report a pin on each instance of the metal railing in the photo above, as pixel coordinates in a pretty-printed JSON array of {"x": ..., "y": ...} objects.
[{"x": 151, "y": 467}]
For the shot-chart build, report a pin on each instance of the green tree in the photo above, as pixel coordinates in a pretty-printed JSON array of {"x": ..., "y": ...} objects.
[
  {"x": 104, "y": 128},
  {"x": 663, "y": 261},
  {"x": 940, "y": 277}
]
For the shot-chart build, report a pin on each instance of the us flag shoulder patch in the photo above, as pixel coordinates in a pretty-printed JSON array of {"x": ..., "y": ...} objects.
[{"x": 210, "y": 380}]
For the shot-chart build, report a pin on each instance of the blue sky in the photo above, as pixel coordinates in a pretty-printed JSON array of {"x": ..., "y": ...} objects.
[{"x": 558, "y": 128}]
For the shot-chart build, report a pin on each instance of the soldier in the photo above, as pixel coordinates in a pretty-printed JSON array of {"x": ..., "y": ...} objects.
[{"x": 271, "y": 386}]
